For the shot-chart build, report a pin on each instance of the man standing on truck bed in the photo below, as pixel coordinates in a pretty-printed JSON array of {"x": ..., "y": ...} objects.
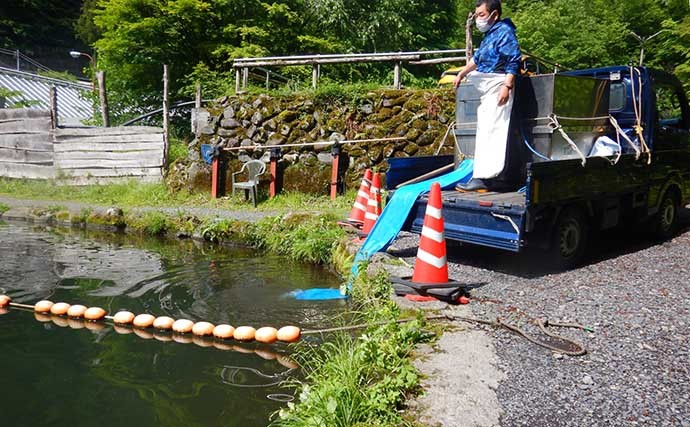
[{"x": 493, "y": 68}]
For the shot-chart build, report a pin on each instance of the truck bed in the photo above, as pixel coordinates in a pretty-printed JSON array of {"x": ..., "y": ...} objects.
[{"x": 490, "y": 219}]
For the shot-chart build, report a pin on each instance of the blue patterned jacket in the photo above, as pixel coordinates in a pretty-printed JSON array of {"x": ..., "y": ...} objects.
[{"x": 499, "y": 51}]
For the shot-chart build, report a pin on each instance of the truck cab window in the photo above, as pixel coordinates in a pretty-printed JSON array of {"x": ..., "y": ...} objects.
[
  {"x": 668, "y": 107},
  {"x": 617, "y": 97}
]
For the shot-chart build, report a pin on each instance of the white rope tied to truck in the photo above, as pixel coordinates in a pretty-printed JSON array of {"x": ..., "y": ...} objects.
[
  {"x": 637, "y": 106},
  {"x": 557, "y": 126},
  {"x": 443, "y": 140}
]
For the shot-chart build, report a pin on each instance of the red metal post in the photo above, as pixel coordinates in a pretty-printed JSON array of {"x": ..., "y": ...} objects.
[
  {"x": 335, "y": 152},
  {"x": 273, "y": 187},
  {"x": 215, "y": 166}
]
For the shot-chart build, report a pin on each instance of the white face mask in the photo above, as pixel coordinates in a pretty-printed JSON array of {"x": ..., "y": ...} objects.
[{"x": 483, "y": 24}]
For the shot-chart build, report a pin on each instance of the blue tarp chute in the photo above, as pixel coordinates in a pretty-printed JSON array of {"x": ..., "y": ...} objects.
[{"x": 390, "y": 223}]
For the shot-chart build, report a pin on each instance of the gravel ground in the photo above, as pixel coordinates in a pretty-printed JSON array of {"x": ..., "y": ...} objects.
[{"x": 632, "y": 291}]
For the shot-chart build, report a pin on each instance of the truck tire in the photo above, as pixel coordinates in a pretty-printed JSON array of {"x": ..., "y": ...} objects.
[
  {"x": 569, "y": 238},
  {"x": 665, "y": 222}
]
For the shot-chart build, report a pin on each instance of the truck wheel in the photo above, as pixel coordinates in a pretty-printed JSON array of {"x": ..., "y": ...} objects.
[
  {"x": 569, "y": 239},
  {"x": 666, "y": 219}
]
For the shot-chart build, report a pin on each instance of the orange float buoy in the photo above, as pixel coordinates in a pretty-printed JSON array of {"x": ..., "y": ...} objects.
[
  {"x": 141, "y": 333},
  {"x": 265, "y": 354},
  {"x": 122, "y": 330},
  {"x": 202, "y": 329},
  {"x": 242, "y": 349},
  {"x": 266, "y": 335},
  {"x": 94, "y": 313},
  {"x": 60, "y": 321},
  {"x": 244, "y": 333},
  {"x": 289, "y": 333},
  {"x": 183, "y": 326},
  {"x": 144, "y": 320},
  {"x": 123, "y": 317},
  {"x": 59, "y": 308},
  {"x": 223, "y": 331},
  {"x": 43, "y": 306},
  {"x": 164, "y": 323},
  {"x": 42, "y": 317},
  {"x": 76, "y": 311},
  {"x": 287, "y": 362},
  {"x": 3, "y": 310},
  {"x": 75, "y": 323},
  {"x": 94, "y": 326},
  {"x": 222, "y": 345},
  {"x": 162, "y": 337},
  {"x": 201, "y": 341},
  {"x": 182, "y": 339},
  {"x": 4, "y": 301}
]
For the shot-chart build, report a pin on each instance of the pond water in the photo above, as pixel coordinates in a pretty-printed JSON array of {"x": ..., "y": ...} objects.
[{"x": 60, "y": 372}]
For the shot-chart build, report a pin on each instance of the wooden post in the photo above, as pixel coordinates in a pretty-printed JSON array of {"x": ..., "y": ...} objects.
[
  {"x": 396, "y": 75},
  {"x": 237, "y": 80},
  {"x": 53, "y": 107},
  {"x": 166, "y": 115},
  {"x": 315, "y": 71},
  {"x": 268, "y": 79},
  {"x": 245, "y": 77},
  {"x": 197, "y": 96},
  {"x": 335, "y": 152},
  {"x": 469, "y": 49},
  {"x": 100, "y": 76}
]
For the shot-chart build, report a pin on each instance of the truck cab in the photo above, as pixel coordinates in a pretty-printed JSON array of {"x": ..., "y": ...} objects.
[{"x": 559, "y": 185}]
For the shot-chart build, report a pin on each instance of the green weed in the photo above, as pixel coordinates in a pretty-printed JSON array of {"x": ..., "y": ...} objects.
[
  {"x": 358, "y": 381},
  {"x": 3, "y": 208}
]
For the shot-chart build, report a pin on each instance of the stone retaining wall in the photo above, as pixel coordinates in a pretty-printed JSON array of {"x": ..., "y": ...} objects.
[{"x": 421, "y": 117}]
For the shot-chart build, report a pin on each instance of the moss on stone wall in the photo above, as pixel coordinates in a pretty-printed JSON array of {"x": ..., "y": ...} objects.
[{"x": 421, "y": 117}]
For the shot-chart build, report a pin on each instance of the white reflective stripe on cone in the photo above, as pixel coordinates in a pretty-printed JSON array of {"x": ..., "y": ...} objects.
[
  {"x": 433, "y": 212},
  {"x": 430, "y": 259},
  {"x": 360, "y": 206},
  {"x": 371, "y": 216},
  {"x": 436, "y": 236}
]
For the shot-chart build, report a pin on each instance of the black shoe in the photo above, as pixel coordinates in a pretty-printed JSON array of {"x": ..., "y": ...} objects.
[{"x": 475, "y": 184}]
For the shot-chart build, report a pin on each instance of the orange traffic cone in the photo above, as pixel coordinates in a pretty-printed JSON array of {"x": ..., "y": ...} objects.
[
  {"x": 431, "y": 265},
  {"x": 430, "y": 276},
  {"x": 359, "y": 207},
  {"x": 373, "y": 206}
]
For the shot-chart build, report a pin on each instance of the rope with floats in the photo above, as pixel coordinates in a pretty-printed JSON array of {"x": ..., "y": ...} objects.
[
  {"x": 266, "y": 334},
  {"x": 269, "y": 335}
]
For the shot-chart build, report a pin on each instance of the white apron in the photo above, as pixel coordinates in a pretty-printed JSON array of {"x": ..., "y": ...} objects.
[{"x": 492, "y": 125}]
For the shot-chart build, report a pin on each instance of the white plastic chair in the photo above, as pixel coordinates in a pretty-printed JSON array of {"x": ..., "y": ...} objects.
[{"x": 253, "y": 169}]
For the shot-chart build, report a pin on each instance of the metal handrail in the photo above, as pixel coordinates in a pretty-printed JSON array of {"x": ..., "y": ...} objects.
[{"x": 242, "y": 65}]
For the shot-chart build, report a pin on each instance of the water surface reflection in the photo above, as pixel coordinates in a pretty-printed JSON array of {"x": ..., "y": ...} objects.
[{"x": 58, "y": 371}]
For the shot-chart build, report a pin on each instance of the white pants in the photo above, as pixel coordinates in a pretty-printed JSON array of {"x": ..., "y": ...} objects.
[{"x": 493, "y": 122}]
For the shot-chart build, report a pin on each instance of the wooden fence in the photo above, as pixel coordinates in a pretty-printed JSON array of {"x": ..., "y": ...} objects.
[{"x": 31, "y": 148}]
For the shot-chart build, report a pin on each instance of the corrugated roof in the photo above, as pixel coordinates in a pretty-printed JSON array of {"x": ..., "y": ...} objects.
[{"x": 73, "y": 106}]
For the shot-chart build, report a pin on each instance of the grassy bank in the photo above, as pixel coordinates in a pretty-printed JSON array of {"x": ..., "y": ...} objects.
[{"x": 135, "y": 194}]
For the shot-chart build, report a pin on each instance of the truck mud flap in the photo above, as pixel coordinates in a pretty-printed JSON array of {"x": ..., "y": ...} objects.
[{"x": 500, "y": 229}]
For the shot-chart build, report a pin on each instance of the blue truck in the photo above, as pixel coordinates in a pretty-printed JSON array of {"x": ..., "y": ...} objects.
[{"x": 588, "y": 150}]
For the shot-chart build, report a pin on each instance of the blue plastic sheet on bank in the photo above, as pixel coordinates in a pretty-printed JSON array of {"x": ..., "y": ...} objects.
[
  {"x": 317, "y": 294},
  {"x": 390, "y": 223}
]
